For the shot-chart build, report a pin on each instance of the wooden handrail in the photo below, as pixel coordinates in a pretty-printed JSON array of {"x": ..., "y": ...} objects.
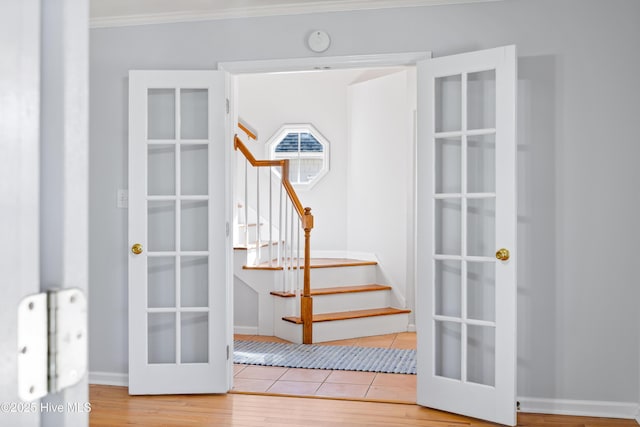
[
  {"x": 248, "y": 131},
  {"x": 306, "y": 218},
  {"x": 284, "y": 164}
]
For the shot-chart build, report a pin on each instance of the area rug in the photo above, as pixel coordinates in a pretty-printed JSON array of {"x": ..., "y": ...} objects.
[{"x": 310, "y": 356}]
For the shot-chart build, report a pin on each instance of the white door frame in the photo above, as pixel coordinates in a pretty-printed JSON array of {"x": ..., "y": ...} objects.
[
  {"x": 323, "y": 63},
  {"x": 44, "y": 164},
  {"x": 292, "y": 65}
]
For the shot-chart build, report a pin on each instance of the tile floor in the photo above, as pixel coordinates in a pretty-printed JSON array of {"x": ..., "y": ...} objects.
[{"x": 329, "y": 383}]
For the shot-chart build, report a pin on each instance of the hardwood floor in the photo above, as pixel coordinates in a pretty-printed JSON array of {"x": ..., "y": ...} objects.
[
  {"x": 112, "y": 406},
  {"x": 330, "y": 401}
]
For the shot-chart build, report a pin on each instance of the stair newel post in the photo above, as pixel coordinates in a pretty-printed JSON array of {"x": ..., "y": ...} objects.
[{"x": 306, "y": 307}]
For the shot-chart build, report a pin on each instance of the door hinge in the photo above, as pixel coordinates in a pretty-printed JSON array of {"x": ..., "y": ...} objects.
[
  {"x": 227, "y": 352},
  {"x": 227, "y": 103},
  {"x": 52, "y": 342},
  {"x": 227, "y": 228}
]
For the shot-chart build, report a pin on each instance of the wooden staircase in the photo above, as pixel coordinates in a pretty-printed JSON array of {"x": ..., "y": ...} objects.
[
  {"x": 343, "y": 299},
  {"x": 347, "y": 302}
]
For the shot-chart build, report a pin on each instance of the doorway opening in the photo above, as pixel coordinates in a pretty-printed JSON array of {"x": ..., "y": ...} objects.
[{"x": 366, "y": 115}]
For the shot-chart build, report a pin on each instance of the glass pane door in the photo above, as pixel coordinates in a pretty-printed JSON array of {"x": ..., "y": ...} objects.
[
  {"x": 466, "y": 212},
  {"x": 464, "y": 227},
  {"x": 177, "y": 226},
  {"x": 178, "y": 280}
]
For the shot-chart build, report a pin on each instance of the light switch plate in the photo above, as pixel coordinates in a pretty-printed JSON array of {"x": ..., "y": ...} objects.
[{"x": 123, "y": 198}]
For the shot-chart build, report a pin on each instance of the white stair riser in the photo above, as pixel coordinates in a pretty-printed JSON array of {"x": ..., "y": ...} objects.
[
  {"x": 252, "y": 256},
  {"x": 343, "y": 276},
  {"x": 264, "y": 234},
  {"x": 350, "y": 301},
  {"x": 271, "y": 280},
  {"x": 239, "y": 237},
  {"x": 288, "y": 331},
  {"x": 363, "y": 327},
  {"x": 284, "y": 307},
  {"x": 345, "y": 329}
]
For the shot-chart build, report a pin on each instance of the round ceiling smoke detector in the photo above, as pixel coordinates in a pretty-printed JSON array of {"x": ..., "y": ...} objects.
[{"x": 318, "y": 41}]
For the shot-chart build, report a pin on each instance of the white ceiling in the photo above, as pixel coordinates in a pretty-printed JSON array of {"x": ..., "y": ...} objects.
[{"x": 108, "y": 13}]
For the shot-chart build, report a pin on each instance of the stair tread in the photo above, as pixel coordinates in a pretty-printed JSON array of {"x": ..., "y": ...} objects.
[
  {"x": 315, "y": 263},
  {"x": 253, "y": 245},
  {"x": 251, "y": 224},
  {"x": 337, "y": 290},
  {"x": 344, "y": 315}
]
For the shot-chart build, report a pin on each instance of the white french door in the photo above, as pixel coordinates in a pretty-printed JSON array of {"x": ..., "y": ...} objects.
[
  {"x": 466, "y": 294},
  {"x": 177, "y": 233}
]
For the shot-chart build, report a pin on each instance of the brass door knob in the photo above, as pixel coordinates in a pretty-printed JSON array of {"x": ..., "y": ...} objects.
[
  {"x": 136, "y": 249},
  {"x": 503, "y": 254}
]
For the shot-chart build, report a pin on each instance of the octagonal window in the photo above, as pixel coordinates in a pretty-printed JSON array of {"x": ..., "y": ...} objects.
[{"x": 307, "y": 151}]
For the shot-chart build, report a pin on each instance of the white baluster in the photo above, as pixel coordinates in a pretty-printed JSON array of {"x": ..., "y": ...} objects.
[
  {"x": 280, "y": 225},
  {"x": 270, "y": 219},
  {"x": 286, "y": 243},
  {"x": 298, "y": 282},
  {"x": 291, "y": 253},
  {"x": 258, "y": 227},
  {"x": 246, "y": 203}
]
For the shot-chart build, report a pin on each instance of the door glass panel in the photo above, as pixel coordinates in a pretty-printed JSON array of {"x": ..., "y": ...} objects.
[
  {"x": 481, "y": 350},
  {"x": 161, "y": 282},
  {"x": 194, "y": 333},
  {"x": 161, "y": 226},
  {"x": 161, "y": 337},
  {"x": 194, "y": 177},
  {"x": 194, "y": 113},
  {"x": 194, "y": 227},
  {"x": 481, "y": 163},
  {"x": 194, "y": 280},
  {"x": 448, "y": 349},
  {"x": 447, "y": 226},
  {"x": 448, "y": 103},
  {"x": 161, "y": 171},
  {"x": 161, "y": 114},
  {"x": 481, "y": 100},
  {"x": 481, "y": 291},
  {"x": 448, "y": 162},
  {"x": 448, "y": 288},
  {"x": 481, "y": 228}
]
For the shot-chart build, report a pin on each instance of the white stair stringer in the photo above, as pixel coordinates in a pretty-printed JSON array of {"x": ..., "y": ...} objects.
[{"x": 262, "y": 282}]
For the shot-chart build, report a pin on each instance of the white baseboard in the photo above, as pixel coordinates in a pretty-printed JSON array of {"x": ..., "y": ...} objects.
[
  {"x": 109, "y": 378},
  {"x": 245, "y": 330},
  {"x": 587, "y": 408},
  {"x": 411, "y": 327}
]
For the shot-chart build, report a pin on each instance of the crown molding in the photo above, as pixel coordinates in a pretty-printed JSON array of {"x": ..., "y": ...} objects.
[{"x": 300, "y": 8}]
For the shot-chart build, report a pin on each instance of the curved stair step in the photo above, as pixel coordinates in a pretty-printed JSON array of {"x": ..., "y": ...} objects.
[
  {"x": 344, "y": 315},
  {"x": 337, "y": 290},
  {"x": 315, "y": 263}
]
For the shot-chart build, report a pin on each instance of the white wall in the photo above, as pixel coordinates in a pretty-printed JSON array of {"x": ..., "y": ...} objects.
[
  {"x": 380, "y": 176},
  {"x": 267, "y": 101},
  {"x": 578, "y": 65}
]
